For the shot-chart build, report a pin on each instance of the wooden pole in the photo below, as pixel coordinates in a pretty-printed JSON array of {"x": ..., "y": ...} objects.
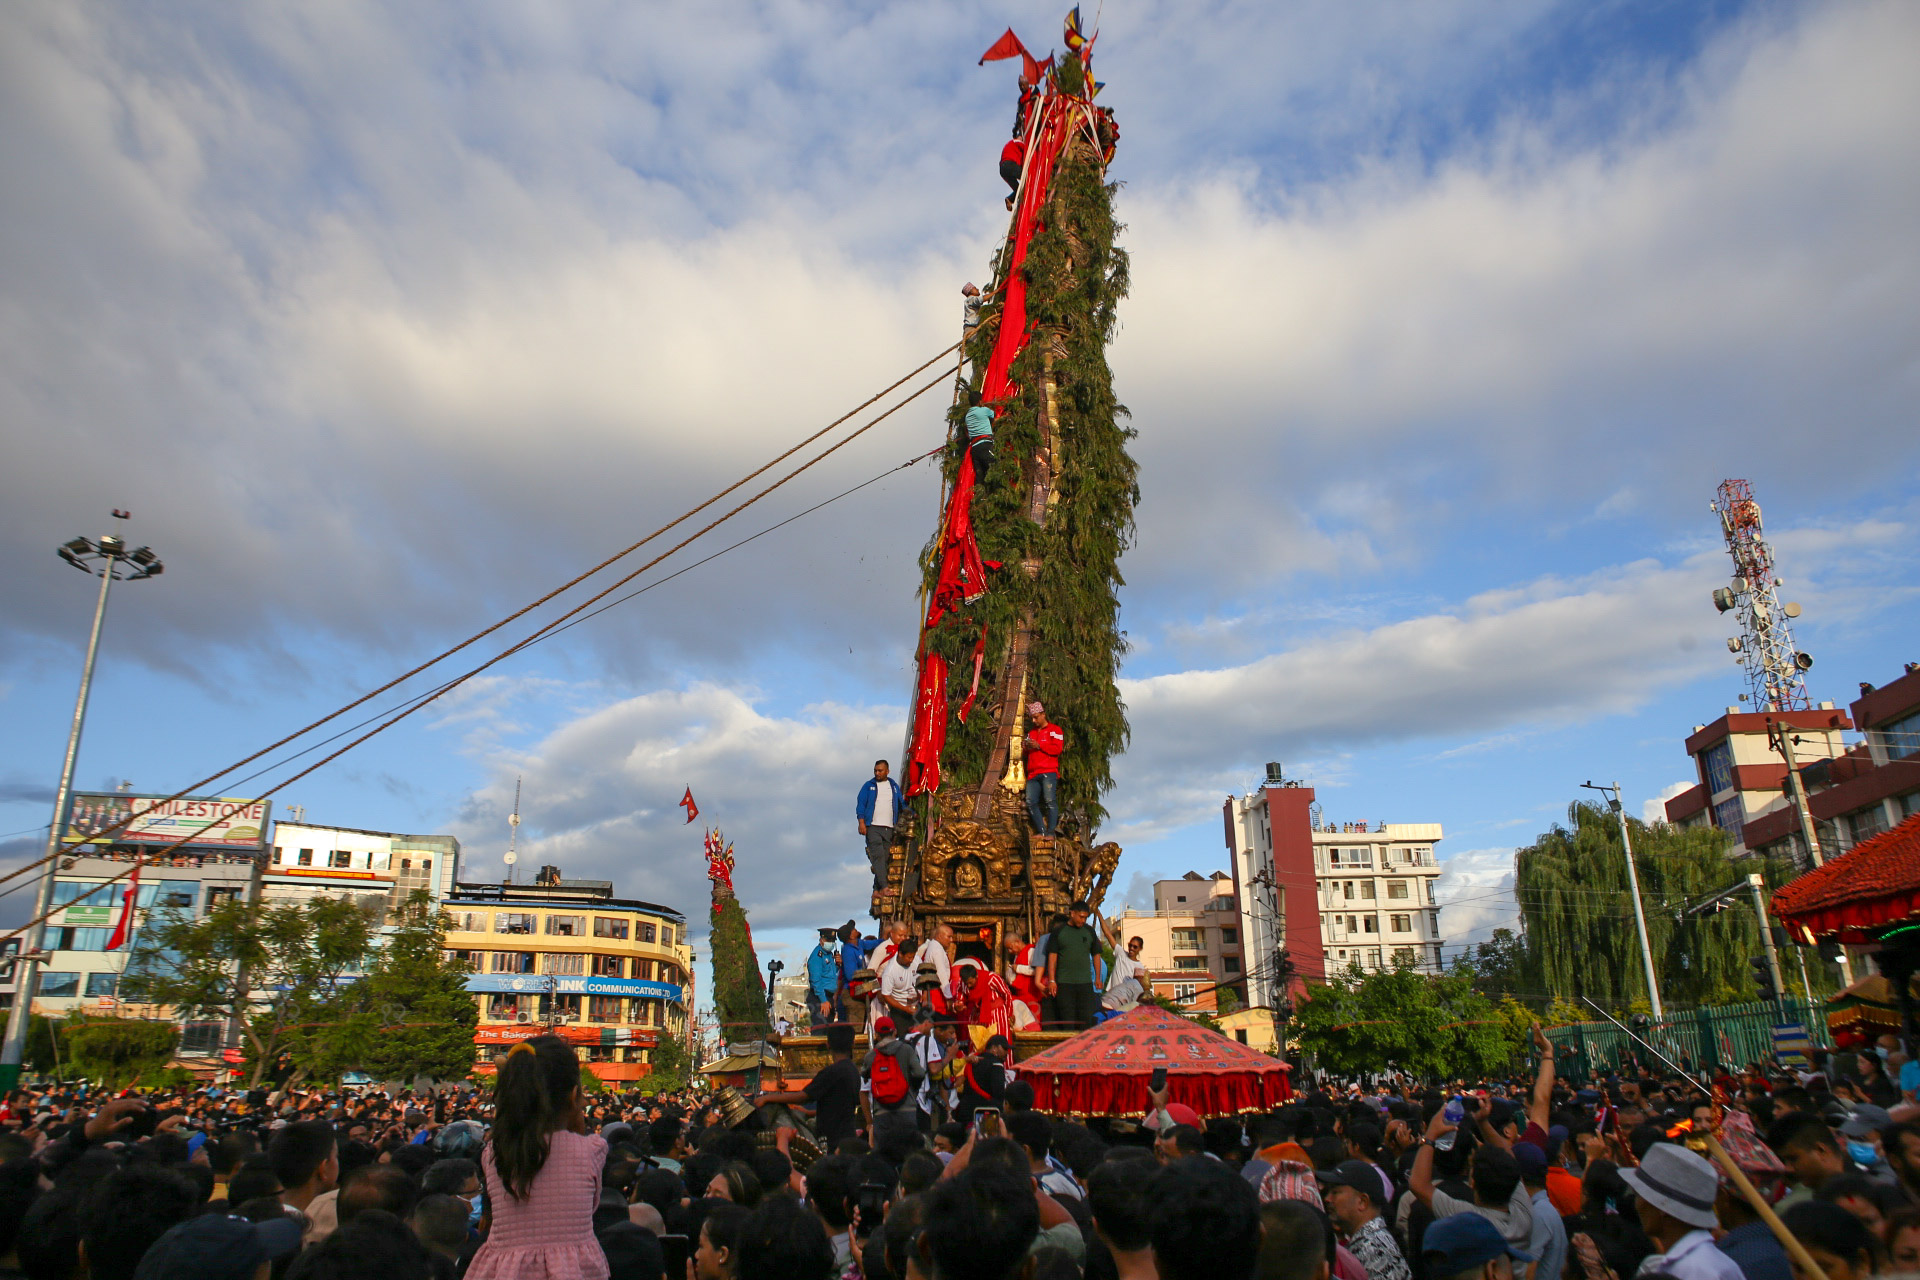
[{"x": 1795, "y": 1250}]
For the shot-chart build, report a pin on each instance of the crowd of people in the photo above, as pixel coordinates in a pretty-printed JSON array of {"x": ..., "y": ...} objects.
[{"x": 1523, "y": 1179}]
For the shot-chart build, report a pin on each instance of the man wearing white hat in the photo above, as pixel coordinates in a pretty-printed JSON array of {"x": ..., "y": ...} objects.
[{"x": 1675, "y": 1190}]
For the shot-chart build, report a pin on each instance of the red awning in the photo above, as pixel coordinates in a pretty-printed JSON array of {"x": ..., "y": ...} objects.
[
  {"x": 1104, "y": 1070},
  {"x": 1874, "y": 885}
]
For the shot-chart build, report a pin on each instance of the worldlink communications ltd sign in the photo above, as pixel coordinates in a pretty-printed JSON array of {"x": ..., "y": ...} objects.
[
  {"x": 540, "y": 984},
  {"x": 205, "y": 822}
]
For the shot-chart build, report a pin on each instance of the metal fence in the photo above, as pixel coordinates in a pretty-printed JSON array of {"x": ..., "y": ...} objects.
[{"x": 1729, "y": 1036}]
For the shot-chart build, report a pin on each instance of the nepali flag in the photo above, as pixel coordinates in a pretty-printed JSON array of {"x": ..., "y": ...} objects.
[
  {"x": 125, "y": 927},
  {"x": 686, "y": 802}
]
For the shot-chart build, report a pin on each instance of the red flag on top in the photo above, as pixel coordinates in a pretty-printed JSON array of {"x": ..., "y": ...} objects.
[
  {"x": 1007, "y": 46},
  {"x": 125, "y": 927},
  {"x": 686, "y": 802}
]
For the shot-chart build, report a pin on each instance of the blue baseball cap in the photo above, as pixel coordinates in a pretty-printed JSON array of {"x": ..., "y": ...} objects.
[
  {"x": 1464, "y": 1242},
  {"x": 218, "y": 1246}
]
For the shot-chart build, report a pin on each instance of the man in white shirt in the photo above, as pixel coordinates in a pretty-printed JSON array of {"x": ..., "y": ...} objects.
[
  {"x": 1674, "y": 1190},
  {"x": 893, "y": 966},
  {"x": 938, "y": 952},
  {"x": 926, "y": 1046}
]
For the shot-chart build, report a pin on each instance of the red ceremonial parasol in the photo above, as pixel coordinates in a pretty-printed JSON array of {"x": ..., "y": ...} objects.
[{"x": 1104, "y": 1070}]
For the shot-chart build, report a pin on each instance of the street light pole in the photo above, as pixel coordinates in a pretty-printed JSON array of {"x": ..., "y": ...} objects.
[
  {"x": 89, "y": 556},
  {"x": 1633, "y": 883}
]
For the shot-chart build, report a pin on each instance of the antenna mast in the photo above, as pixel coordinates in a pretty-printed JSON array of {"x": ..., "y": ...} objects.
[
  {"x": 1775, "y": 669},
  {"x": 513, "y": 832}
]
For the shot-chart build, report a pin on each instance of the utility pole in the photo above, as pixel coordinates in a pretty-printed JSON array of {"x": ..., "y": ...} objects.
[
  {"x": 1633, "y": 883},
  {"x": 104, "y": 557},
  {"x": 1783, "y": 738},
  {"x": 1758, "y": 884}
]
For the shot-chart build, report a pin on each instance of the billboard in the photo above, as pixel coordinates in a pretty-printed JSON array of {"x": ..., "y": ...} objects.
[{"x": 214, "y": 822}]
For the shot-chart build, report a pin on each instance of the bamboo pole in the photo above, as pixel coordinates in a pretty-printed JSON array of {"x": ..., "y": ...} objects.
[{"x": 1795, "y": 1250}]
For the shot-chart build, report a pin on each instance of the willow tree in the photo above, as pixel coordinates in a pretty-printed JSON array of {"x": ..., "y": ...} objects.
[
  {"x": 1056, "y": 511},
  {"x": 1576, "y": 908}
]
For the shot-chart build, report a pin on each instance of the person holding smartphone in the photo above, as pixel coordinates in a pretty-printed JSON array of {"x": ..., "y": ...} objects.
[{"x": 983, "y": 1082}]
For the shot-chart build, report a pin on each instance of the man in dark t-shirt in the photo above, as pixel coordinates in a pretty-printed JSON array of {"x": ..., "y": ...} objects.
[
  {"x": 834, "y": 1091},
  {"x": 1070, "y": 974}
]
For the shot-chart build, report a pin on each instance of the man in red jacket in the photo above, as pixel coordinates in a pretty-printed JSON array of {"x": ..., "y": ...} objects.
[
  {"x": 1045, "y": 742},
  {"x": 1012, "y": 157}
]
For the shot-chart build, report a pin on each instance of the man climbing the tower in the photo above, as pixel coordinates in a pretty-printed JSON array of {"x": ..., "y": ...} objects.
[
  {"x": 1012, "y": 157},
  {"x": 980, "y": 437},
  {"x": 1045, "y": 742},
  {"x": 875, "y": 810}
]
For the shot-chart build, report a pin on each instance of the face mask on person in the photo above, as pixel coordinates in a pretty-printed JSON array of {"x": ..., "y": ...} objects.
[
  {"x": 1862, "y": 1152},
  {"x": 1881, "y": 1051},
  {"x": 473, "y": 1216}
]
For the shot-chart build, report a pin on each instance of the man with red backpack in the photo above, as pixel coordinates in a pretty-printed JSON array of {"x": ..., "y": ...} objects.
[{"x": 893, "y": 1073}]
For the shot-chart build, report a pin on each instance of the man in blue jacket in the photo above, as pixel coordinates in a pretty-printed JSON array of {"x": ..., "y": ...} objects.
[
  {"x": 823, "y": 980},
  {"x": 875, "y": 812}
]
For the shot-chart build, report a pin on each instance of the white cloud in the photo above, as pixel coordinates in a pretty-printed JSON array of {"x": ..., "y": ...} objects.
[
  {"x": 1475, "y": 891},
  {"x": 1655, "y": 809}
]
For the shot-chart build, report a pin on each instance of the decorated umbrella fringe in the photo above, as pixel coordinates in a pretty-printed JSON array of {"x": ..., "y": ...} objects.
[{"x": 1105, "y": 1070}]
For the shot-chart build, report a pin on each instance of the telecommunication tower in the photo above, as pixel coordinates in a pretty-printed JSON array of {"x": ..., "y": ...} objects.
[
  {"x": 1775, "y": 669},
  {"x": 513, "y": 835}
]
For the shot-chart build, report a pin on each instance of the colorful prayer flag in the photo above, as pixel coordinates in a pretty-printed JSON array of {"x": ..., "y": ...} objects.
[{"x": 1074, "y": 37}]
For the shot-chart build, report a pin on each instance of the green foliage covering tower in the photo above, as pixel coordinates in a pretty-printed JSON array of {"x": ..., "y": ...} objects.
[
  {"x": 1060, "y": 574},
  {"x": 739, "y": 993}
]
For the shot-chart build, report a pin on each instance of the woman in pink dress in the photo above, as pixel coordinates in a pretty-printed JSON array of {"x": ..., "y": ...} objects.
[{"x": 542, "y": 1170}]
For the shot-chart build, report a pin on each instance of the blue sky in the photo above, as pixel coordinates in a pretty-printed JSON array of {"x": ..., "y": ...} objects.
[{"x": 1447, "y": 320}]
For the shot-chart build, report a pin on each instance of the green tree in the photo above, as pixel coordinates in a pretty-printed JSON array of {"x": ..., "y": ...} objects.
[
  {"x": 115, "y": 1052},
  {"x": 1499, "y": 966},
  {"x": 672, "y": 1067},
  {"x": 739, "y": 992},
  {"x": 1431, "y": 1025},
  {"x": 409, "y": 1015},
  {"x": 295, "y": 959},
  {"x": 1577, "y": 913}
]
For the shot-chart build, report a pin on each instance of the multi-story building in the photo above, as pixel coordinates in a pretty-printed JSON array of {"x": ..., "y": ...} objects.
[
  {"x": 610, "y": 974},
  {"x": 378, "y": 869},
  {"x": 89, "y": 898},
  {"x": 1190, "y": 941},
  {"x": 1743, "y": 776},
  {"x": 1853, "y": 791},
  {"x": 1334, "y": 895}
]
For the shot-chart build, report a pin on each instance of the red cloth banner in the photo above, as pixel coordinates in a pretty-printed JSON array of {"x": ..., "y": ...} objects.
[
  {"x": 125, "y": 927},
  {"x": 929, "y": 727},
  {"x": 686, "y": 802},
  {"x": 1007, "y": 46}
]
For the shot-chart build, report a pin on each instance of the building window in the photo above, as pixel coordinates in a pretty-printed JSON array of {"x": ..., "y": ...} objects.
[
  {"x": 341, "y": 858},
  {"x": 642, "y": 968},
  {"x": 1229, "y": 937},
  {"x": 513, "y": 922},
  {"x": 1370, "y": 924},
  {"x": 306, "y": 858},
  {"x": 1366, "y": 890},
  {"x": 1402, "y": 924},
  {"x": 607, "y": 967},
  {"x": 1901, "y": 738},
  {"x": 221, "y": 895},
  {"x": 1353, "y": 924},
  {"x": 1432, "y": 890},
  {"x": 1189, "y": 962},
  {"x": 563, "y": 962},
  {"x": 609, "y": 927},
  {"x": 1396, "y": 888},
  {"x": 1352, "y": 856},
  {"x": 468, "y": 921},
  {"x": 81, "y": 939},
  {"x": 101, "y": 984},
  {"x": 1404, "y": 955},
  {"x": 567, "y": 926},
  {"x": 503, "y": 1007},
  {"x": 1727, "y": 816},
  {"x": 57, "y": 986},
  {"x": 1373, "y": 957},
  {"x": 642, "y": 931},
  {"x": 1717, "y": 763},
  {"x": 666, "y": 935},
  {"x": 604, "y": 1008},
  {"x": 513, "y": 962},
  {"x": 202, "y": 1039},
  {"x": 1183, "y": 992},
  {"x": 1347, "y": 890},
  {"x": 474, "y": 960},
  {"x": 1232, "y": 963},
  {"x": 1241, "y": 1036},
  {"x": 1869, "y": 822},
  {"x": 276, "y": 855},
  {"x": 1186, "y": 939}
]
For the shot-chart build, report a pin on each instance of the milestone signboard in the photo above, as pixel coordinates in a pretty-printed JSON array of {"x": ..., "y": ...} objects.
[{"x": 215, "y": 822}]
